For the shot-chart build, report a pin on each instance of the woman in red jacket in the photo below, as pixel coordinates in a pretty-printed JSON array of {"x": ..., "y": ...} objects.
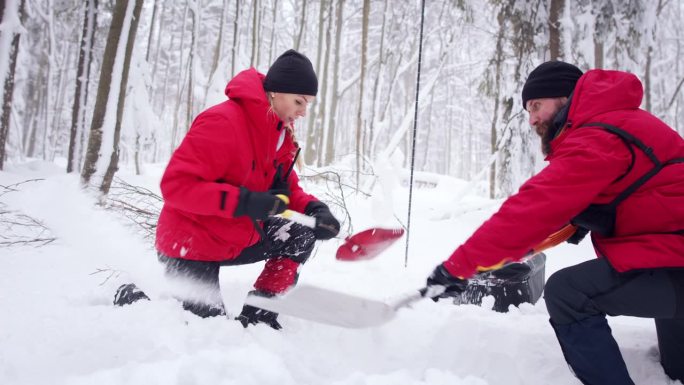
[
  {"x": 617, "y": 171},
  {"x": 226, "y": 181}
]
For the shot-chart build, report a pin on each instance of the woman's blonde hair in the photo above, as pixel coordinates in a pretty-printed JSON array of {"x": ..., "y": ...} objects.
[{"x": 290, "y": 130}]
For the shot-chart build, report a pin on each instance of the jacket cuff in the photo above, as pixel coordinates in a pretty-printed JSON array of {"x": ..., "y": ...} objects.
[{"x": 458, "y": 266}]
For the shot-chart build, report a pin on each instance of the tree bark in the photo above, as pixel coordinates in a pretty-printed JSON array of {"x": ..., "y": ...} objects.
[
  {"x": 8, "y": 86},
  {"x": 158, "y": 45},
  {"x": 647, "y": 78},
  {"x": 103, "y": 90},
  {"x": 236, "y": 24},
  {"x": 598, "y": 53},
  {"x": 555, "y": 9},
  {"x": 114, "y": 161},
  {"x": 359, "y": 114},
  {"x": 302, "y": 21},
  {"x": 376, "y": 83},
  {"x": 255, "y": 34},
  {"x": 498, "y": 61},
  {"x": 191, "y": 65},
  {"x": 309, "y": 152},
  {"x": 82, "y": 73},
  {"x": 334, "y": 102},
  {"x": 151, "y": 33},
  {"x": 274, "y": 15},
  {"x": 181, "y": 83},
  {"x": 324, "y": 94}
]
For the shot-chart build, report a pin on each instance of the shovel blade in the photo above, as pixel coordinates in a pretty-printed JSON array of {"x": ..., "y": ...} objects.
[
  {"x": 327, "y": 306},
  {"x": 367, "y": 244}
]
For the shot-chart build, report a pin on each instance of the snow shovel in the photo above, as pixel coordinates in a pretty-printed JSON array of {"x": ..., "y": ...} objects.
[
  {"x": 351, "y": 311},
  {"x": 331, "y": 307},
  {"x": 360, "y": 246}
]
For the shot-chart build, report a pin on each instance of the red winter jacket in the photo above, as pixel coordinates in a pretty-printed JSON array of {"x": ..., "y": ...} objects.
[
  {"x": 229, "y": 145},
  {"x": 584, "y": 168}
]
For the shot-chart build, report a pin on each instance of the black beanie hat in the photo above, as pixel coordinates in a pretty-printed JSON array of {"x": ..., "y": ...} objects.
[
  {"x": 292, "y": 73},
  {"x": 549, "y": 80}
]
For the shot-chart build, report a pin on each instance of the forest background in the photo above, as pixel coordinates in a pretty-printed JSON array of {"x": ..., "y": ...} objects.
[{"x": 64, "y": 62}]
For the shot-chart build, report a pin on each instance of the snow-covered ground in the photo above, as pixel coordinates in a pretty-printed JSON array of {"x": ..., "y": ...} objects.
[{"x": 58, "y": 324}]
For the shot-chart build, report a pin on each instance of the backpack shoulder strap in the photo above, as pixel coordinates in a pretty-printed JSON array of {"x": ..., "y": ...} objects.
[{"x": 632, "y": 140}]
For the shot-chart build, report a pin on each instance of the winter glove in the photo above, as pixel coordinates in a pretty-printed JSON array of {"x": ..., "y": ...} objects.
[
  {"x": 440, "y": 277},
  {"x": 259, "y": 205},
  {"x": 252, "y": 315},
  {"x": 326, "y": 225}
]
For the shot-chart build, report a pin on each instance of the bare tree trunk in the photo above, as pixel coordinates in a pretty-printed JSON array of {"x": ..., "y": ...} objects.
[
  {"x": 219, "y": 48},
  {"x": 598, "y": 53},
  {"x": 274, "y": 15},
  {"x": 151, "y": 33},
  {"x": 191, "y": 65},
  {"x": 647, "y": 78},
  {"x": 302, "y": 21},
  {"x": 163, "y": 100},
  {"x": 255, "y": 34},
  {"x": 555, "y": 9},
  {"x": 359, "y": 114},
  {"x": 236, "y": 24},
  {"x": 158, "y": 44},
  {"x": 63, "y": 68},
  {"x": 324, "y": 94},
  {"x": 114, "y": 161},
  {"x": 33, "y": 111},
  {"x": 181, "y": 80},
  {"x": 426, "y": 143},
  {"x": 330, "y": 141},
  {"x": 376, "y": 83},
  {"x": 498, "y": 61},
  {"x": 50, "y": 71},
  {"x": 309, "y": 154},
  {"x": 84, "y": 58},
  {"x": 103, "y": 90},
  {"x": 32, "y": 107},
  {"x": 8, "y": 86}
]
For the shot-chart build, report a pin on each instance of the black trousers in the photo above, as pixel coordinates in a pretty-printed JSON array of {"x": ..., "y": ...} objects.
[
  {"x": 197, "y": 282},
  {"x": 579, "y": 297}
]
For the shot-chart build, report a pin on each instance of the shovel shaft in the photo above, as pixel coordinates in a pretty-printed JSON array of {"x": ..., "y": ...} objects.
[
  {"x": 307, "y": 221},
  {"x": 299, "y": 218}
]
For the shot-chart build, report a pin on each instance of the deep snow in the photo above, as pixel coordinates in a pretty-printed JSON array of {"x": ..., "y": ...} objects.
[{"x": 58, "y": 324}]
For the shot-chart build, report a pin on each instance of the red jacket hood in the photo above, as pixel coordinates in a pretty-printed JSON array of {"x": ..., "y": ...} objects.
[
  {"x": 246, "y": 86},
  {"x": 247, "y": 90},
  {"x": 600, "y": 91}
]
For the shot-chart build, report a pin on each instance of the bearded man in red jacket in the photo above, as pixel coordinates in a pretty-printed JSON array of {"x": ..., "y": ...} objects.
[{"x": 616, "y": 171}]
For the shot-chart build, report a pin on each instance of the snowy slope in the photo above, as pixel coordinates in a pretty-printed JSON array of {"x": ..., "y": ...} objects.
[{"x": 58, "y": 326}]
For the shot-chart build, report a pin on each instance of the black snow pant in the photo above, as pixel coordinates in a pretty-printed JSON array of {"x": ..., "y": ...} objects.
[
  {"x": 197, "y": 282},
  {"x": 578, "y": 299}
]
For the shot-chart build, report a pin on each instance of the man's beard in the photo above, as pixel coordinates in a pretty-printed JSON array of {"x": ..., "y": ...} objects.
[{"x": 546, "y": 132}]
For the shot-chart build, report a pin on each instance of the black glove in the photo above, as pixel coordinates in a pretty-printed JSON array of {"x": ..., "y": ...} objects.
[
  {"x": 258, "y": 205},
  {"x": 252, "y": 315},
  {"x": 453, "y": 286},
  {"x": 326, "y": 225}
]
